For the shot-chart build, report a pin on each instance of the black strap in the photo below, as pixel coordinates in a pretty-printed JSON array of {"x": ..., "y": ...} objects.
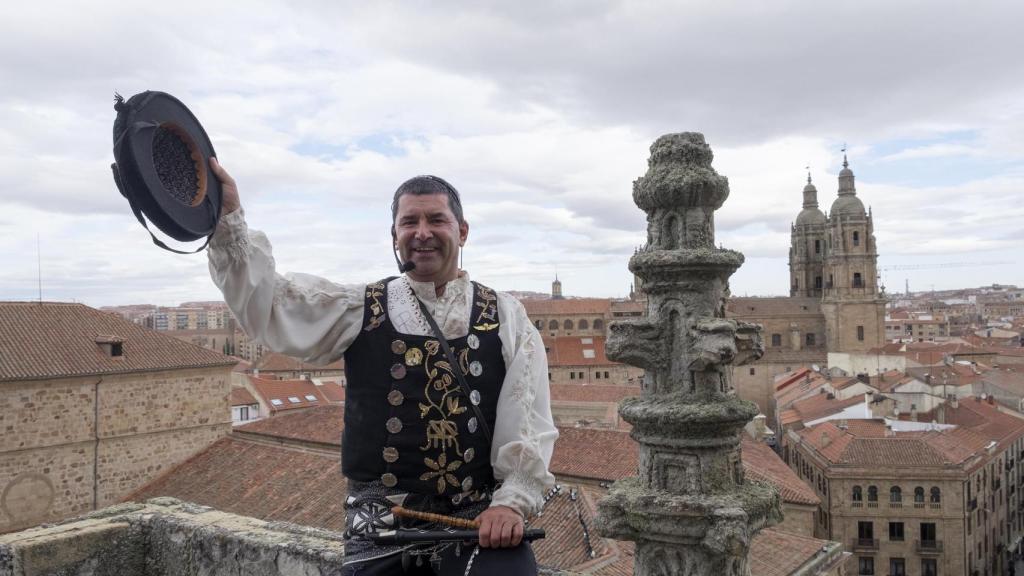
[
  {"x": 142, "y": 220},
  {"x": 455, "y": 368}
]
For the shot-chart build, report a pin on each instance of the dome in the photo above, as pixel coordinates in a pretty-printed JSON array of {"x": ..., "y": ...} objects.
[
  {"x": 847, "y": 204},
  {"x": 810, "y": 216}
]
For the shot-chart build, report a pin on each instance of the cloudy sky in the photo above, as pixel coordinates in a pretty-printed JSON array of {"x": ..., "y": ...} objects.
[{"x": 541, "y": 113}]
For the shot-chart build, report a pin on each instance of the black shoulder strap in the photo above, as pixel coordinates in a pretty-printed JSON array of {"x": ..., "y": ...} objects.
[{"x": 455, "y": 368}]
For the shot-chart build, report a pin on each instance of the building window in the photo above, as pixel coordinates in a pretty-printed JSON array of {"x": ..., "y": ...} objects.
[
  {"x": 866, "y": 532},
  {"x": 567, "y": 325},
  {"x": 858, "y": 281},
  {"x": 597, "y": 375},
  {"x": 553, "y": 325},
  {"x": 936, "y": 495},
  {"x": 928, "y": 535},
  {"x": 605, "y": 374},
  {"x": 817, "y": 282},
  {"x": 919, "y": 495},
  {"x": 896, "y": 531},
  {"x": 540, "y": 324},
  {"x": 857, "y": 496},
  {"x": 809, "y": 339},
  {"x": 243, "y": 413},
  {"x": 817, "y": 246},
  {"x": 897, "y": 567},
  {"x": 860, "y": 333},
  {"x": 856, "y": 238},
  {"x": 895, "y": 494},
  {"x": 929, "y": 567},
  {"x": 776, "y": 339},
  {"x": 584, "y": 325},
  {"x": 572, "y": 375},
  {"x": 866, "y": 566},
  {"x": 598, "y": 324},
  {"x": 752, "y": 371},
  {"x": 872, "y": 493}
]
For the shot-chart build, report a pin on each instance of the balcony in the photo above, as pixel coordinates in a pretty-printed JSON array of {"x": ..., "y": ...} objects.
[
  {"x": 928, "y": 547},
  {"x": 865, "y": 544}
]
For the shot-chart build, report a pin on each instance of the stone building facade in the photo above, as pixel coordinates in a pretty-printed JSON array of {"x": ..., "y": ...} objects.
[
  {"x": 921, "y": 502},
  {"x": 835, "y": 304},
  {"x": 93, "y": 406}
]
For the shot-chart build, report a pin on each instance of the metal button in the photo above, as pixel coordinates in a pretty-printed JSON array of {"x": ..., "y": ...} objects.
[
  {"x": 467, "y": 484},
  {"x": 413, "y": 357},
  {"x": 468, "y": 455},
  {"x": 389, "y": 480},
  {"x": 394, "y": 425},
  {"x": 473, "y": 341},
  {"x": 457, "y": 499},
  {"x": 398, "y": 347},
  {"x": 472, "y": 425},
  {"x": 474, "y": 397},
  {"x": 390, "y": 454},
  {"x": 395, "y": 398},
  {"x": 475, "y": 368},
  {"x": 398, "y": 371}
]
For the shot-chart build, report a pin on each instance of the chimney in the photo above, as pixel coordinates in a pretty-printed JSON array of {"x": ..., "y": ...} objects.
[
  {"x": 954, "y": 401},
  {"x": 913, "y": 412},
  {"x": 825, "y": 439},
  {"x": 889, "y": 433}
]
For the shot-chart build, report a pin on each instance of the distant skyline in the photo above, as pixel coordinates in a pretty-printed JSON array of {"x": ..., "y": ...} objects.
[{"x": 541, "y": 115}]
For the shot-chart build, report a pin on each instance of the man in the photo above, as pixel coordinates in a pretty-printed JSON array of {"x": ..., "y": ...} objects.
[{"x": 466, "y": 433}]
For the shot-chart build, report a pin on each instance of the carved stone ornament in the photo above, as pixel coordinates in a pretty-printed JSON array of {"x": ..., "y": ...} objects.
[{"x": 690, "y": 510}]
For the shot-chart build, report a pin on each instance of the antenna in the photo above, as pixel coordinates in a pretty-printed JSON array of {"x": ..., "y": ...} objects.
[{"x": 39, "y": 268}]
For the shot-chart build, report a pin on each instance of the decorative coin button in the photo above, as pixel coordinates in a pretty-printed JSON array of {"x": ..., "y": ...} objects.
[
  {"x": 457, "y": 499},
  {"x": 468, "y": 455},
  {"x": 394, "y": 425},
  {"x": 398, "y": 347},
  {"x": 474, "y": 397},
  {"x": 473, "y": 341},
  {"x": 395, "y": 398},
  {"x": 475, "y": 368},
  {"x": 413, "y": 357},
  {"x": 389, "y": 480},
  {"x": 398, "y": 371},
  {"x": 472, "y": 425},
  {"x": 467, "y": 484},
  {"x": 390, "y": 454}
]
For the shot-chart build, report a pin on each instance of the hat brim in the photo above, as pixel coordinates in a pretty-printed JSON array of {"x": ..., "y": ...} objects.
[{"x": 139, "y": 180}]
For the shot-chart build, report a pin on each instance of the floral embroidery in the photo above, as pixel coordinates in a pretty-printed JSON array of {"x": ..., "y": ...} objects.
[
  {"x": 374, "y": 292},
  {"x": 442, "y": 470},
  {"x": 442, "y": 404}
]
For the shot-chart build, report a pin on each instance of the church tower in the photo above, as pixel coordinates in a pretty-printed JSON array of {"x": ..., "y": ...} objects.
[
  {"x": 807, "y": 247},
  {"x": 852, "y": 303},
  {"x": 556, "y": 289}
]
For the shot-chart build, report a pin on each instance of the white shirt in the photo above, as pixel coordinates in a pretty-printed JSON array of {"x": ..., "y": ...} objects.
[{"x": 317, "y": 320}]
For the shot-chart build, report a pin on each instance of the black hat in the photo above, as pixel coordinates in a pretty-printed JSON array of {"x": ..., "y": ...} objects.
[{"x": 161, "y": 167}]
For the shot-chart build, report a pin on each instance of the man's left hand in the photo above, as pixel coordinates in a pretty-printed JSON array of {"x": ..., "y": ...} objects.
[{"x": 500, "y": 527}]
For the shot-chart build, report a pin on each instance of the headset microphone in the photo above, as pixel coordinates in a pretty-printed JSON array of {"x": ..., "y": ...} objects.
[{"x": 403, "y": 267}]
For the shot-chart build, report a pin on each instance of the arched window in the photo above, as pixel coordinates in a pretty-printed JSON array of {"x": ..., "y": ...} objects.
[
  {"x": 936, "y": 495},
  {"x": 856, "y": 238},
  {"x": 553, "y": 325},
  {"x": 919, "y": 495},
  {"x": 598, "y": 324},
  {"x": 858, "y": 282},
  {"x": 895, "y": 494},
  {"x": 567, "y": 325},
  {"x": 858, "y": 496},
  {"x": 584, "y": 325},
  {"x": 872, "y": 493},
  {"x": 540, "y": 324}
]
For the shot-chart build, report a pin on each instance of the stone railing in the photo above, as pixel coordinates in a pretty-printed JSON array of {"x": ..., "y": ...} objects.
[{"x": 168, "y": 537}]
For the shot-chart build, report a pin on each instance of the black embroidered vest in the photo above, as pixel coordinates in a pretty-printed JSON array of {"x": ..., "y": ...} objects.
[{"x": 408, "y": 422}]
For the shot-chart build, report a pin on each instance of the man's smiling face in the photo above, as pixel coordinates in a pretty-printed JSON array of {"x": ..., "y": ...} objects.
[{"x": 428, "y": 234}]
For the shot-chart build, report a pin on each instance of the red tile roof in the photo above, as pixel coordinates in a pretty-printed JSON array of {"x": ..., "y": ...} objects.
[
  {"x": 568, "y": 519},
  {"x": 321, "y": 425},
  {"x": 761, "y": 463},
  {"x": 284, "y": 391},
  {"x": 274, "y": 362},
  {"x": 820, "y": 405},
  {"x": 332, "y": 391},
  {"x": 569, "y": 351},
  {"x": 777, "y": 553},
  {"x": 591, "y": 392},
  {"x": 54, "y": 340},
  {"x": 242, "y": 397},
  {"x": 253, "y": 479},
  {"x": 576, "y": 306}
]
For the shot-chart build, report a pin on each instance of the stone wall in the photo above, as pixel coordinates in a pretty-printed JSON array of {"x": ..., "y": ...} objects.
[
  {"x": 57, "y": 459},
  {"x": 166, "y": 537}
]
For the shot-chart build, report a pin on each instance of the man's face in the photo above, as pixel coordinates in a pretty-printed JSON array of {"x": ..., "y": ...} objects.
[{"x": 428, "y": 234}]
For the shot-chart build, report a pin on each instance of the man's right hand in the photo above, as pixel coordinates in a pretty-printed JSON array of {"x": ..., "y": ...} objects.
[{"x": 229, "y": 201}]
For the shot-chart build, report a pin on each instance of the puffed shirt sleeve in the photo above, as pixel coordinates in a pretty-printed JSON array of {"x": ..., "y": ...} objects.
[
  {"x": 525, "y": 433},
  {"x": 299, "y": 315}
]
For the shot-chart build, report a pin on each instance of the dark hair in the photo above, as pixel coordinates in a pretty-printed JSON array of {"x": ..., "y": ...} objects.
[{"x": 420, "y": 185}]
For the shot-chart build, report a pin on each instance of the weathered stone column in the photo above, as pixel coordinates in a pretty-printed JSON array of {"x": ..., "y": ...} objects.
[{"x": 690, "y": 511}]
